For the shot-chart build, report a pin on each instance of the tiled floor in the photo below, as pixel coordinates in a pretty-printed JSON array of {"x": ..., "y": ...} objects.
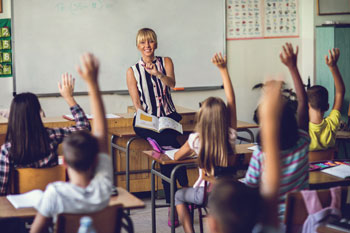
[{"x": 143, "y": 222}]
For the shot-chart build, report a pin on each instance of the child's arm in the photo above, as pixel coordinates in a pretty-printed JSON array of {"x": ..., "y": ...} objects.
[
  {"x": 221, "y": 63},
  {"x": 40, "y": 224},
  {"x": 183, "y": 152},
  {"x": 89, "y": 72},
  {"x": 66, "y": 88},
  {"x": 269, "y": 115},
  {"x": 331, "y": 62},
  {"x": 289, "y": 58}
]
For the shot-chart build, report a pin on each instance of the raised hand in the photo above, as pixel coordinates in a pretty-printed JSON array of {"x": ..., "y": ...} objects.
[
  {"x": 288, "y": 57},
  {"x": 272, "y": 101},
  {"x": 89, "y": 68},
  {"x": 66, "y": 88},
  {"x": 333, "y": 57},
  {"x": 219, "y": 61}
]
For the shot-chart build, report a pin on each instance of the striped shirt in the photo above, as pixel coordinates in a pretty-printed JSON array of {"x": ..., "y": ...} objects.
[
  {"x": 154, "y": 95},
  {"x": 56, "y": 136},
  {"x": 294, "y": 169}
]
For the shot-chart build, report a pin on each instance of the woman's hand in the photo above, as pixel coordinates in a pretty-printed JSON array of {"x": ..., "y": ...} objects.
[
  {"x": 66, "y": 88},
  {"x": 152, "y": 69}
]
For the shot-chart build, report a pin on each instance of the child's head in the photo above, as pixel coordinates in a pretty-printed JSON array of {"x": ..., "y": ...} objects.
[
  {"x": 212, "y": 126},
  {"x": 146, "y": 34},
  {"x": 234, "y": 207},
  {"x": 80, "y": 151},
  {"x": 318, "y": 98},
  {"x": 26, "y": 132},
  {"x": 288, "y": 127}
]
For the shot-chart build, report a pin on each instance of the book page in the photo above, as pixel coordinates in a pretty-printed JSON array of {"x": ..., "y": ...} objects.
[
  {"x": 26, "y": 200},
  {"x": 168, "y": 123},
  {"x": 342, "y": 171},
  {"x": 171, "y": 153},
  {"x": 147, "y": 121}
]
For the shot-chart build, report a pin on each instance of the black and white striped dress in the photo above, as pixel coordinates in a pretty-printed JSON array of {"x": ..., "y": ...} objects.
[{"x": 155, "y": 97}]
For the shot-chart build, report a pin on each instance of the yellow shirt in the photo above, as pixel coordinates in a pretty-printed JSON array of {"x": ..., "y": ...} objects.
[{"x": 323, "y": 135}]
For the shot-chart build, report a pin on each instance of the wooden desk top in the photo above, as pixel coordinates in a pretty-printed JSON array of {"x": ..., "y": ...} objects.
[
  {"x": 321, "y": 180},
  {"x": 164, "y": 159},
  {"x": 128, "y": 200}
]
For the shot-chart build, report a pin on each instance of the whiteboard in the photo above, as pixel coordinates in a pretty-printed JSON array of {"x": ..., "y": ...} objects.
[{"x": 50, "y": 35}]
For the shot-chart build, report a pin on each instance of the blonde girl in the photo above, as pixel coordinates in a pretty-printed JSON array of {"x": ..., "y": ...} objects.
[{"x": 213, "y": 141}]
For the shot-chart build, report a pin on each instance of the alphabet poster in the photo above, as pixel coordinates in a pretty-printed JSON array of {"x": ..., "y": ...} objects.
[{"x": 261, "y": 19}]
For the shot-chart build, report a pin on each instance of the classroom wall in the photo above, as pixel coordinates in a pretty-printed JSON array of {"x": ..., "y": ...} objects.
[
  {"x": 320, "y": 19},
  {"x": 249, "y": 62}
]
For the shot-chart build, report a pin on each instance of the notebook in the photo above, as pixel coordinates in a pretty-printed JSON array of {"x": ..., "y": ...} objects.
[{"x": 342, "y": 171}]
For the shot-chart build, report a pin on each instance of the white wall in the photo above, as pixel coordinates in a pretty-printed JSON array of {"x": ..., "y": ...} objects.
[{"x": 249, "y": 62}]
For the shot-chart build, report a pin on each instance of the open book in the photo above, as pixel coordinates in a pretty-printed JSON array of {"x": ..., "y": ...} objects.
[
  {"x": 342, "y": 171},
  {"x": 70, "y": 117},
  {"x": 26, "y": 200},
  {"x": 148, "y": 121}
]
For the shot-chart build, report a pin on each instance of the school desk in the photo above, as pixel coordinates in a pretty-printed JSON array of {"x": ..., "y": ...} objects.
[
  {"x": 123, "y": 137},
  {"x": 125, "y": 198},
  {"x": 165, "y": 160},
  {"x": 321, "y": 180}
]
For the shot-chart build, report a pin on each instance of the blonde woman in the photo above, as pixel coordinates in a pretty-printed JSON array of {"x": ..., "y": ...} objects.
[
  {"x": 213, "y": 142},
  {"x": 149, "y": 82}
]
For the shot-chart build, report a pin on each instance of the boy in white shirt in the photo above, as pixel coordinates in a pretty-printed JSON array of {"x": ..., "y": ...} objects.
[{"x": 88, "y": 165}]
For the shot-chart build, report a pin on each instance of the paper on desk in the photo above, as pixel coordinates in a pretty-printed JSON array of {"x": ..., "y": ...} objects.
[
  {"x": 90, "y": 116},
  {"x": 255, "y": 147},
  {"x": 26, "y": 200},
  {"x": 342, "y": 171},
  {"x": 171, "y": 153}
]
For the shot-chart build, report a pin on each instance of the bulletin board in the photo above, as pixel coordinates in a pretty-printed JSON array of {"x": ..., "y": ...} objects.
[
  {"x": 262, "y": 19},
  {"x": 5, "y": 48}
]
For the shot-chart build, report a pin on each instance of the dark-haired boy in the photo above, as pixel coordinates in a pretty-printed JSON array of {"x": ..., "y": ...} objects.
[
  {"x": 322, "y": 130},
  {"x": 88, "y": 165}
]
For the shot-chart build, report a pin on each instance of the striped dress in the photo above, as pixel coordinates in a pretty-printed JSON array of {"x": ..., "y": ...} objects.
[
  {"x": 154, "y": 95},
  {"x": 294, "y": 169}
]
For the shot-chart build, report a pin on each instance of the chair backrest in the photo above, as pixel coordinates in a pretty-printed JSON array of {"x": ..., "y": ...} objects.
[
  {"x": 320, "y": 155},
  {"x": 296, "y": 213},
  {"x": 27, "y": 179},
  {"x": 107, "y": 220}
]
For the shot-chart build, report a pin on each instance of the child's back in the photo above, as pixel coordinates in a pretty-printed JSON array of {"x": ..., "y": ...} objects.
[
  {"x": 322, "y": 130},
  {"x": 294, "y": 140}
]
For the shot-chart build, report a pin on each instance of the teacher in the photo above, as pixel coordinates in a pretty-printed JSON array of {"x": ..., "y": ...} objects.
[{"x": 149, "y": 83}]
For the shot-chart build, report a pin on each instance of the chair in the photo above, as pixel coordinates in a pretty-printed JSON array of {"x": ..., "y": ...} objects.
[
  {"x": 343, "y": 137},
  {"x": 296, "y": 213},
  {"x": 27, "y": 179},
  {"x": 320, "y": 155},
  {"x": 108, "y": 220}
]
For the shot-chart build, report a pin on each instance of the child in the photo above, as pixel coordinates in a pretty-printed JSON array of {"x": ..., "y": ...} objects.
[
  {"x": 88, "y": 165},
  {"x": 213, "y": 141},
  {"x": 28, "y": 143},
  {"x": 235, "y": 207},
  {"x": 322, "y": 131},
  {"x": 294, "y": 140}
]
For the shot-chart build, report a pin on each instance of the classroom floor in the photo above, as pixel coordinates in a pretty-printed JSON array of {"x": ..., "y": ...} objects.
[{"x": 143, "y": 222}]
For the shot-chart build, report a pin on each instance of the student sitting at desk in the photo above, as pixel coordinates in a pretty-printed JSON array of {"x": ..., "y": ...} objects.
[
  {"x": 322, "y": 130},
  {"x": 149, "y": 83},
  {"x": 28, "y": 143},
  {"x": 88, "y": 165},
  {"x": 213, "y": 142},
  {"x": 294, "y": 142},
  {"x": 235, "y": 208}
]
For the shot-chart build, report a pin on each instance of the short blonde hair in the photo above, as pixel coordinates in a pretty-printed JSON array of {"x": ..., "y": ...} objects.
[{"x": 146, "y": 34}]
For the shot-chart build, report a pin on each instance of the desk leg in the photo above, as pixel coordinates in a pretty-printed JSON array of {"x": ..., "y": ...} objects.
[
  {"x": 153, "y": 199},
  {"x": 113, "y": 159},
  {"x": 127, "y": 168}
]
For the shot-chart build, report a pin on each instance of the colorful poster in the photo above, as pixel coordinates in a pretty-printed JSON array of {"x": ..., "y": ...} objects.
[{"x": 258, "y": 19}]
